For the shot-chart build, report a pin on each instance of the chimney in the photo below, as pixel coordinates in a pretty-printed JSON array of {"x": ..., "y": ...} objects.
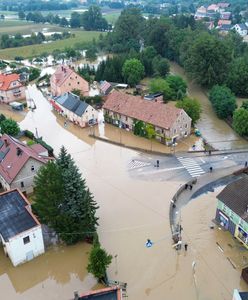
[
  {"x": 18, "y": 151},
  {"x": 6, "y": 142},
  {"x": 76, "y": 296}
]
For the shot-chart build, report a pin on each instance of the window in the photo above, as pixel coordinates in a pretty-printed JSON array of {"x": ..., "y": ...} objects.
[
  {"x": 78, "y": 82},
  {"x": 175, "y": 131},
  {"x": 186, "y": 125},
  {"x": 32, "y": 168},
  {"x": 26, "y": 240},
  {"x": 22, "y": 184}
]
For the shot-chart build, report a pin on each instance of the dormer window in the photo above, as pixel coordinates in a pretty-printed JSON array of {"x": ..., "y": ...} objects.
[{"x": 32, "y": 168}]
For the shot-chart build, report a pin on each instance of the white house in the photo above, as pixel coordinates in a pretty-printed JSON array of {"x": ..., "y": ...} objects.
[
  {"x": 77, "y": 111},
  {"x": 20, "y": 231},
  {"x": 241, "y": 29}
]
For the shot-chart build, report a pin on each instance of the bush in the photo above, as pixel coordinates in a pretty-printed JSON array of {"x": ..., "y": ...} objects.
[{"x": 29, "y": 134}]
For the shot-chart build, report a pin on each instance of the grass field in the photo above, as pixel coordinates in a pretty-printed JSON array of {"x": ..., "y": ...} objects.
[
  {"x": 82, "y": 37},
  {"x": 112, "y": 17}
]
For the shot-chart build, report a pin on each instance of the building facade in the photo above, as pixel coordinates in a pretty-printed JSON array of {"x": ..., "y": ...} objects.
[
  {"x": 169, "y": 123},
  {"x": 232, "y": 210},
  {"x": 20, "y": 232},
  {"x": 11, "y": 88},
  {"x": 20, "y": 163},
  {"x": 77, "y": 111},
  {"x": 66, "y": 80}
]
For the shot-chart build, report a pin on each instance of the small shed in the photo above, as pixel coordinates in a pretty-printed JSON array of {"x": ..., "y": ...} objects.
[{"x": 16, "y": 105}]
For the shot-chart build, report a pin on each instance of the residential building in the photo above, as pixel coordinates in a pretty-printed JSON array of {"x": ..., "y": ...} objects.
[
  {"x": 213, "y": 8},
  {"x": 77, "y": 111},
  {"x": 201, "y": 13},
  {"x": 225, "y": 15},
  {"x": 109, "y": 293},
  {"x": 20, "y": 231},
  {"x": 19, "y": 163},
  {"x": 241, "y": 29},
  {"x": 224, "y": 22},
  {"x": 224, "y": 29},
  {"x": 157, "y": 97},
  {"x": 223, "y": 5},
  {"x": 232, "y": 209},
  {"x": 170, "y": 123},
  {"x": 65, "y": 79},
  {"x": 11, "y": 88},
  {"x": 105, "y": 87},
  {"x": 240, "y": 295}
]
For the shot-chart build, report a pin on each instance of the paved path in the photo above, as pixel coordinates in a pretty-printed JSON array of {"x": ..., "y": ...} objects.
[{"x": 181, "y": 199}]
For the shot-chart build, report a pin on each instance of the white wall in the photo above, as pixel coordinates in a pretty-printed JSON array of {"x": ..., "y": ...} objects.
[{"x": 17, "y": 250}]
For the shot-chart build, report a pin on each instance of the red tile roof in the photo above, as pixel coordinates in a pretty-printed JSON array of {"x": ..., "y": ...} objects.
[
  {"x": 105, "y": 293},
  {"x": 155, "y": 113},
  {"x": 6, "y": 79},
  {"x": 10, "y": 163}
]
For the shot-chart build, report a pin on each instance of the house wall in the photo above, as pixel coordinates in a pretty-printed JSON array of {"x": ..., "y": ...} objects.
[
  {"x": 13, "y": 94},
  {"x": 180, "y": 128},
  {"x": 26, "y": 175},
  {"x": 89, "y": 114},
  {"x": 74, "y": 81},
  {"x": 19, "y": 252},
  {"x": 236, "y": 223},
  {"x": 4, "y": 184}
]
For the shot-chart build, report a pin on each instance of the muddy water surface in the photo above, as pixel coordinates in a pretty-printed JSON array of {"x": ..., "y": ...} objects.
[
  {"x": 216, "y": 131},
  {"x": 130, "y": 212}
]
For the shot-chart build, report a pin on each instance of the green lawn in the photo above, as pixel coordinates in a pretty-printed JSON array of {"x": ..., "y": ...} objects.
[
  {"x": 112, "y": 17},
  {"x": 82, "y": 37}
]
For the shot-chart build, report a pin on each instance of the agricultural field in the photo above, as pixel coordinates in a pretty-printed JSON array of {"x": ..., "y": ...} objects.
[
  {"x": 81, "y": 37},
  {"x": 12, "y": 27},
  {"x": 111, "y": 17}
]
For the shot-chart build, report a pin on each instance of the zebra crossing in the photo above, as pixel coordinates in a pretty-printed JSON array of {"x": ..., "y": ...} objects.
[
  {"x": 191, "y": 166},
  {"x": 135, "y": 164}
]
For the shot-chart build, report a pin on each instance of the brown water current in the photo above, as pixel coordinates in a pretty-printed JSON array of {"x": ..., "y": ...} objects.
[
  {"x": 130, "y": 212},
  {"x": 217, "y": 132}
]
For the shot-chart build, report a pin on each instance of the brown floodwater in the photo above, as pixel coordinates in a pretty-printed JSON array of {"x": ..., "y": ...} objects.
[
  {"x": 217, "y": 132},
  {"x": 131, "y": 211}
]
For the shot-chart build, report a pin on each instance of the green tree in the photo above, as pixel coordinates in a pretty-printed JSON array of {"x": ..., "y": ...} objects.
[
  {"x": 223, "y": 101},
  {"x": 78, "y": 201},
  {"x": 91, "y": 53},
  {"x": 237, "y": 78},
  {"x": 240, "y": 121},
  {"x": 161, "y": 66},
  {"x": 133, "y": 71},
  {"x": 178, "y": 87},
  {"x": 244, "y": 105},
  {"x": 10, "y": 127},
  {"x": 75, "y": 20},
  {"x": 207, "y": 60},
  {"x": 92, "y": 19},
  {"x": 21, "y": 15},
  {"x": 160, "y": 85},
  {"x": 99, "y": 261},
  {"x": 48, "y": 195},
  {"x": 192, "y": 107}
]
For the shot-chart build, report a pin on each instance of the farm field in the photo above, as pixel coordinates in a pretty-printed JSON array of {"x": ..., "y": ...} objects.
[{"x": 81, "y": 37}]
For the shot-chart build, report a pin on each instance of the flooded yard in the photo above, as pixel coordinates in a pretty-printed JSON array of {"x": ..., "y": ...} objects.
[{"x": 131, "y": 210}]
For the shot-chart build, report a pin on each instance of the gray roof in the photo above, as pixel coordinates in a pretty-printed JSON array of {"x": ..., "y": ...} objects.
[
  {"x": 102, "y": 295},
  {"x": 81, "y": 108},
  {"x": 242, "y": 26},
  {"x": 72, "y": 102},
  {"x": 226, "y": 27},
  {"x": 14, "y": 217},
  {"x": 235, "y": 196},
  {"x": 243, "y": 295}
]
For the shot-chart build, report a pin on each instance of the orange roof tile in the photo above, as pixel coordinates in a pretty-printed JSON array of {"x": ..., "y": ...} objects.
[
  {"x": 155, "y": 113},
  {"x": 6, "y": 79}
]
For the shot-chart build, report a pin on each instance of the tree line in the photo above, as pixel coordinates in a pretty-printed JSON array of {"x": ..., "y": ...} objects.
[
  {"x": 91, "y": 19},
  {"x": 18, "y": 40}
]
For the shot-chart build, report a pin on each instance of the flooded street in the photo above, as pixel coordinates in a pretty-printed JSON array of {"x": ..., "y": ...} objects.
[
  {"x": 216, "y": 131},
  {"x": 131, "y": 210}
]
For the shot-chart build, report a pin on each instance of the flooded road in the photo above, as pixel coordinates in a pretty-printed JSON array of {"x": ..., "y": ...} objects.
[
  {"x": 131, "y": 210},
  {"x": 216, "y": 131}
]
